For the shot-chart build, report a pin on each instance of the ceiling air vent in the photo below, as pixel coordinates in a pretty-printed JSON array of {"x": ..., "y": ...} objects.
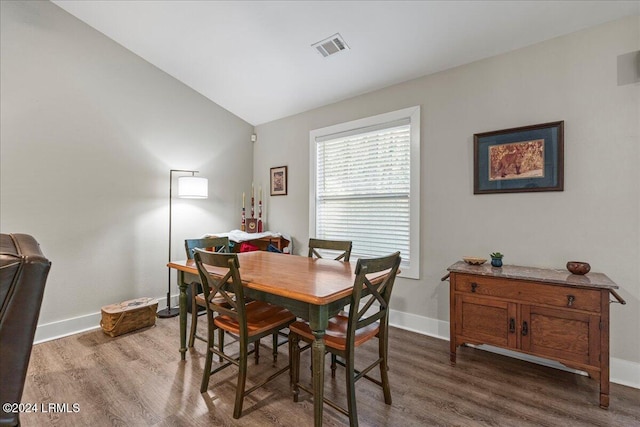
[{"x": 330, "y": 46}]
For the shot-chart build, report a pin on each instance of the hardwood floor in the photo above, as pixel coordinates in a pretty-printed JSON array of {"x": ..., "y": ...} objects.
[{"x": 138, "y": 380}]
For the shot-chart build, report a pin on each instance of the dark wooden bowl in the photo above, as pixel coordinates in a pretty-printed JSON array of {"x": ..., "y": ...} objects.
[{"x": 577, "y": 267}]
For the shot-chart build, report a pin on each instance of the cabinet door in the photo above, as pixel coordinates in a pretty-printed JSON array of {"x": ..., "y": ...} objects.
[
  {"x": 485, "y": 321},
  {"x": 561, "y": 334}
]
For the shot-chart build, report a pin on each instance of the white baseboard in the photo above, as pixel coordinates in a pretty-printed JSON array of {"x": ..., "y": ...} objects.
[
  {"x": 622, "y": 371},
  {"x": 63, "y": 328},
  {"x": 625, "y": 372}
]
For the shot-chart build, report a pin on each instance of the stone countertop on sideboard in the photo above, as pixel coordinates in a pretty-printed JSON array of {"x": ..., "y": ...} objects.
[{"x": 552, "y": 276}]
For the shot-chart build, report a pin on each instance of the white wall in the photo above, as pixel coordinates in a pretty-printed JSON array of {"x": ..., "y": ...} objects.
[
  {"x": 89, "y": 132},
  {"x": 595, "y": 219}
]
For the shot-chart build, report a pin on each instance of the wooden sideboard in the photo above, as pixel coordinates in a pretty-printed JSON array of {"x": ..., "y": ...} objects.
[
  {"x": 259, "y": 240},
  {"x": 278, "y": 242},
  {"x": 542, "y": 312}
]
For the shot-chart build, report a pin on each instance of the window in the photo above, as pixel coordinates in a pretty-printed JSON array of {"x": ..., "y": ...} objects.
[{"x": 365, "y": 186}]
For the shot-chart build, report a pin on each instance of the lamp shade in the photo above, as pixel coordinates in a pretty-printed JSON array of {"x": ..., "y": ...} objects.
[{"x": 193, "y": 187}]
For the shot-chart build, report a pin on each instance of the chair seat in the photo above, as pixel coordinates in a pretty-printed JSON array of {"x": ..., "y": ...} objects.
[
  {"x": 261, "y": 317},
  {"x": 200, "y": 300},
  {"x": 336, "y": 333},
  {"x": 218, "y": 300}
]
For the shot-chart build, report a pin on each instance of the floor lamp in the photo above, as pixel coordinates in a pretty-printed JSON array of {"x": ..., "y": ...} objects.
[{"x": 189, "y": 187}]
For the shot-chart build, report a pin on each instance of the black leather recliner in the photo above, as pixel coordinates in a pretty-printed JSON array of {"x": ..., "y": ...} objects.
[{"x": 23, "y": 273}]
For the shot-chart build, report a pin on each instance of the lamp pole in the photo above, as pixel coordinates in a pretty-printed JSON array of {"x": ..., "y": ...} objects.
[{"x": 169, "y": 311}]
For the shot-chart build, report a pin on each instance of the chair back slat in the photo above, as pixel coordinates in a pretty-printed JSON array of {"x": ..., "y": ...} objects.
[
  {"x": 219, "y": 244},
  {"x": 333, "y": 245},
  {"x": 228, "y": 287},
  {"x": 378, "y": 292},
  {"x": 227, "y": 296}
]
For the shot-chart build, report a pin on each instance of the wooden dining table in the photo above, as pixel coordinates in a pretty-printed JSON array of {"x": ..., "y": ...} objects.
[{"x": 314, "y": 289}]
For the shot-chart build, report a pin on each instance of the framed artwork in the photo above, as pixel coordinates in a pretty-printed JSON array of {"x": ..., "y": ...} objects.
[
  {"x": 524, "y": 159},
  {"x": 279, "y": 181}
]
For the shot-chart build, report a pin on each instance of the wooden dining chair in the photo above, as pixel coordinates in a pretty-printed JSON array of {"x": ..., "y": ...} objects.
[
  {"x": 218, "y": 244},
  {"x": 250, "y": 321},
  {"x": 347, "y": 332},
  {"x": 342, "y": 246}
]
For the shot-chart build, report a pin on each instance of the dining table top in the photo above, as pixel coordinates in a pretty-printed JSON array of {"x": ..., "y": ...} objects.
[{"x": 317, "y": 281}]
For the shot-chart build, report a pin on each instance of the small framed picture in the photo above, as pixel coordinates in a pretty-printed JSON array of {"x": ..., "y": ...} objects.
[
  {"x": 524, "y": 159},
  {"x": 279, "y": 181}
]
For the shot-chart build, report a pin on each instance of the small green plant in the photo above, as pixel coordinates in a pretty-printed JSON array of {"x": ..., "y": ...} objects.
[{"x": 497, "y": 255}]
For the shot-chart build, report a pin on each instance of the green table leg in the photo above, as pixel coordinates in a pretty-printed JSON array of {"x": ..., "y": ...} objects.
[
  {"x": 183, "y": 314},
  {"x": 318, "y": 323}
]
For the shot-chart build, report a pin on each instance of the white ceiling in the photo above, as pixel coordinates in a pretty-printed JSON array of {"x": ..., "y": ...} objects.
[{"x": 255, "y": 59}]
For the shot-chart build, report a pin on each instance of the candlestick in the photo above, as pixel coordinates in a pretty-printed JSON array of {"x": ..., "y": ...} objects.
[
  {"x": 252, "y": 202},
  {"x": 243, "y": 218},
  {"x": 260, "y": 210}
]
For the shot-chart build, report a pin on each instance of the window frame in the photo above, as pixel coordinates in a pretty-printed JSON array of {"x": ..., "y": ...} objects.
[{"x": 411, "y": 113}]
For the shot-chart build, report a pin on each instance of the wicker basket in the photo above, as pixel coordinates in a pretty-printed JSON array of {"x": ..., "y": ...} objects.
[{"x": 127, "y": 316}]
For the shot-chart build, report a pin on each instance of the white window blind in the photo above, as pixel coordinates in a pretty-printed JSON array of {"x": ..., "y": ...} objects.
[{"x": 363, "y": 189}]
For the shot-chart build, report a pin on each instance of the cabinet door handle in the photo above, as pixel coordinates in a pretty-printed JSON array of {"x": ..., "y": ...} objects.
[
  {"x": 525, "y": 329},
  {"x": 512, "y": 325},
  {"x": 473, "y": 287},
  {"x": 570, "y": 300}
]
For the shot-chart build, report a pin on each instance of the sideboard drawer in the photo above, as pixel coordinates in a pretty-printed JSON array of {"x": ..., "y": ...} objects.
[{"x": 521, "y": 290}]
